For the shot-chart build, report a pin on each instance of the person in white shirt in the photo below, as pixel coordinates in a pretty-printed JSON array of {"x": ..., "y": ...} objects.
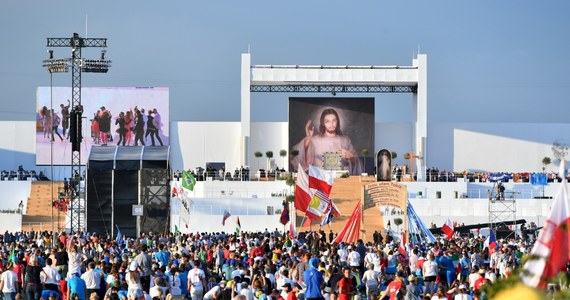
[
  {"x": 430, "y": 273},
  {"x": 413, "y": 263},
  {"x": 462, "y": 295},
  {"x": 353, "y": 258},
  {"x": 342, "y": 254},
  {"x": 196, "y": 281},
  {"x": 370, "y": 280},
  {"x": 215, "y": 292},
  {"x": 92, "y": 280},
  {"x": 371, "y": 257},
  {"x": 174, "y": 281},
  {"x": 8, "y": 283},
  {"x": 245, "y": 291},
  {"x": 51, "y": 277}
]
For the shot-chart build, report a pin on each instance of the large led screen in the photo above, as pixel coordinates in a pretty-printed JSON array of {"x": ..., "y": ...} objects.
[
  {"x": 331, "y": 133},
  {"x": 109, "y": 119}
]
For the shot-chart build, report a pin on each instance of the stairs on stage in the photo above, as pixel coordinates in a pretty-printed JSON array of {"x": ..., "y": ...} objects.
[{"x": 38, "y": 214}]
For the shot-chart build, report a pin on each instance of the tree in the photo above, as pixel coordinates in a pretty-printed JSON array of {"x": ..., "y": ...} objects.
[
  {"x": 394, "y": 155},
  {"x": 545, "y": 162},
  {"x": 398, "y": 222},
  {"x": 269, "y": 155},
  {"x": 258, "y": 154},
  {"x": 364, "y": 152},
  {"x": 283, "y": 153}
]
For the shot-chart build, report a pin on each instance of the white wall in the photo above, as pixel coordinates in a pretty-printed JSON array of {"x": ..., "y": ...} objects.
[
  {"x": 506, "y": 147},
  {"x": 13, "y": 192},
  {"x": 268, "y": 136},
  {"x": 195, "y": 143},
  {"x": 17, "y": 145},
  {"x": 12, "y": 223}
]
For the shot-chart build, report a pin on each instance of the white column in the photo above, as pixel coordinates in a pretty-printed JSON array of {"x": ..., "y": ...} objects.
[
  {"x": 420, "y": 105},
  {"x": 245, "y": 107}
]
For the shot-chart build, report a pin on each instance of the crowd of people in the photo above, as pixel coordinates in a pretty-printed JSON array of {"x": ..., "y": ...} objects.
[
  {"x": 248, "y": 266},
  {"x": 132, "y": 127},
  {"x": 22, "y": 174}
]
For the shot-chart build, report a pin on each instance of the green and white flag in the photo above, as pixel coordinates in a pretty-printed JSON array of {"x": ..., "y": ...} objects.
[{"x": 188, "y": 180}]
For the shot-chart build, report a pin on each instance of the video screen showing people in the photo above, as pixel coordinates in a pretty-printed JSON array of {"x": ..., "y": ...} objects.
[
  {"x": 112, "y": 116},
  {"x": 331, "y": 133}
]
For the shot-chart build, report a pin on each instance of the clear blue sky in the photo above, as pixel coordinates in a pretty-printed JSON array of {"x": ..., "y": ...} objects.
[{"x": 489, "y": 61}]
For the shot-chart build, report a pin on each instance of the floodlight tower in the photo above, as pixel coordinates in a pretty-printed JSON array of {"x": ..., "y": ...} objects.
[{"x": 78, "y": 65}]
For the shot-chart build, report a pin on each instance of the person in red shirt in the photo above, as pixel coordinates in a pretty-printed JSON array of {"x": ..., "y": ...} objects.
[
  {"x": 480, "y": 281},
  {"x": 345, "y": 286},
  {"x": 397, "y": 285},
  {"x": 290, "y": 291}
]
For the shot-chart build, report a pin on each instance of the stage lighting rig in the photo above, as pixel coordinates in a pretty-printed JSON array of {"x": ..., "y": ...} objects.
[{"x": 78, "y": 65}]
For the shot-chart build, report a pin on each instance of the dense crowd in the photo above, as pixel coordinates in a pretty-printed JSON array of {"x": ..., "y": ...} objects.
[{"x": 248, "y": 266}]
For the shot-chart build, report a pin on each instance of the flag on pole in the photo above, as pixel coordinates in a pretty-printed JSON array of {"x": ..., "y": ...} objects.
[
  {"x": 491, "y": 242},
  {"x": 292, "y": 231},
  {"x": 188, "y": 180},
  {"x": 119, "y": 235},
  {"x": 284, "y": 218},
  {"x": 351, "y": 231},
  {"x": 327, "y": 218},
  {"x": 551, "y": 251},
  {"x": 319, "y": 204},
  {"x": 320, "y": 180},
  {"x": 226, "y": 216},
  {"x": 448, "y": 229},
  {"x": 176, "y": 231},
  {"x": 13, "y": 254},
  {"x": 402, "y": 248},
  {"x": 238, "y": 225},
  {"x": 302, "y": 190}
]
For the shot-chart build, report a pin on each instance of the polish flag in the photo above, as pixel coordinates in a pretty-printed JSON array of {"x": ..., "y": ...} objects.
[
  {"x": 320, "y": 180},
  {"x": 402, "y": 247},
  {"x": 448, "y": 229},
  {"x": 302, "y": 191},
  {"x": 551, "y": 251}
]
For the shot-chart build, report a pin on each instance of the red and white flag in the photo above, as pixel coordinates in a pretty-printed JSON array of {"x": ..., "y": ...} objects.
[
  {"x": 402, "y": 249},
  {"x": 292, "y": 231},
  {"x": 351, "y": 231},
  {"x": 320, "y": 180},
  {"x": 448, "y": 229},
  {"x": 302, "y": 191},
  {"x": 551, "y": 251}
]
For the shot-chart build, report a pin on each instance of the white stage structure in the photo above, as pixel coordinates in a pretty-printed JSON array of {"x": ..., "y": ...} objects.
[{"x": 338, "y": 79}]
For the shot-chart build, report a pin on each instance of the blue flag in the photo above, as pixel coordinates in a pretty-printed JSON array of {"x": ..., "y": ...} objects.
[{"x": 120, "y": 237}]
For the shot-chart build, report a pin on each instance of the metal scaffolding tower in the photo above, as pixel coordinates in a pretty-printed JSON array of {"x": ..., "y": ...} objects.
[
  {"x": 78, "y": 65},
  {"x": 502, "y": 210}
]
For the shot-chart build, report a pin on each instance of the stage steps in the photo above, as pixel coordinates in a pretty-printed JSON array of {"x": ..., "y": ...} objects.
[{"x": 39, "y": 207}]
